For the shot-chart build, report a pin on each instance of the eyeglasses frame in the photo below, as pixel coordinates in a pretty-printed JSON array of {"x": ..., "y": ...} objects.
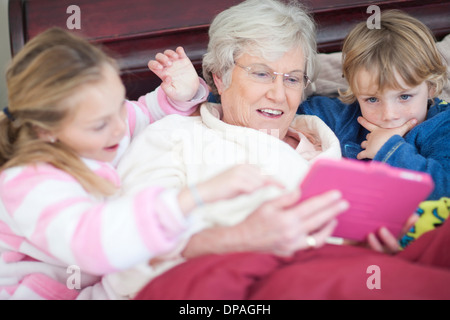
[{"x": 275, "y": 74}]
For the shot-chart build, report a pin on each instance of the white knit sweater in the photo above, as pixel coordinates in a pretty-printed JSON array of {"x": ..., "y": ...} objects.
[{"x": 179, "y": 151}]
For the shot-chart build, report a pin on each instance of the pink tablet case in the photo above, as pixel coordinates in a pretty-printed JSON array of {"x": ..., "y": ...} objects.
[{"x": 379, "y": 194}]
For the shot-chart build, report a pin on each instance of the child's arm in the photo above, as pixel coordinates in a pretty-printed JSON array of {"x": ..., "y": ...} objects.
[
  {"x": 242, "y": 179},
  {"x": 179, "y": 79},
  {"x": 181, "y": 91},
  {"x": 340, "y": 117},
  {"x": 50, "y": 212},
  {"x": 332, "y": 111},
  {"x": 423, "y": 149},
  {"x": 57, "y": 220}
]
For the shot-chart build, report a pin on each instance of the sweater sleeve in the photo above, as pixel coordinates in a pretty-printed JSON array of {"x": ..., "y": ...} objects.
[
  {"x": 341, "y": 118},
  {"x": 51, "y": 215},
  {"x": 155, "y": 157},
  {"x": 398, "y": 152},
  {"x": 155, "y": 105},
  {"x": 424, "y": 148}
]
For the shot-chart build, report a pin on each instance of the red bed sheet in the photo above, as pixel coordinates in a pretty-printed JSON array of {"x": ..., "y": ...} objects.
[{"x": 421, "y": 271}]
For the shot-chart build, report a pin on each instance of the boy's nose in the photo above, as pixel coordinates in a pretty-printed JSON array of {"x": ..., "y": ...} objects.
[{"x": 389, "y": 112}]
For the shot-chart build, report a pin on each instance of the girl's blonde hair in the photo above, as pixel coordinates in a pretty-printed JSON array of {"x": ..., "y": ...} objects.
[
  {"x": 41, "y": 79},
  {"x": 403, "y": 45}
]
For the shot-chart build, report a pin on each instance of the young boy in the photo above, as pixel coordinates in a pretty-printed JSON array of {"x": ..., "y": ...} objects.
[{"x": 390, "y": 112}]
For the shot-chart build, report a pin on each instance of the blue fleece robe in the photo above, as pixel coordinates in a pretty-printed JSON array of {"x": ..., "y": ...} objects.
[{"x": 425, "y": 148}]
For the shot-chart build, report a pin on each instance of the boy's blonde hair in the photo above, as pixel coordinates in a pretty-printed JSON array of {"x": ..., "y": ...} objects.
[
  {"x": 403, "y": 45},
  {"x": 41, "y": 79}
]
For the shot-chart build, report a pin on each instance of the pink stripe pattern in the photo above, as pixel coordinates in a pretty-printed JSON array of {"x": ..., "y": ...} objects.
[{"x": 47, "y": 219}]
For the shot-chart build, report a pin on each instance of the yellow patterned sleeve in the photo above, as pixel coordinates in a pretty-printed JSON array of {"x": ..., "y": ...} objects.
[{"x": 432, "y": 214}]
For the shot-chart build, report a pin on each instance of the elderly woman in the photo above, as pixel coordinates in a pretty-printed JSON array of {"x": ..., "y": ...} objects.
[
  {"x": 260, "y": 58},
  {"x": 259, "y": 64}
]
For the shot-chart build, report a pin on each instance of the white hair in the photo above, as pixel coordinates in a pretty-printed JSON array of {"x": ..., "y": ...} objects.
[{"x": 265, "y": 28}]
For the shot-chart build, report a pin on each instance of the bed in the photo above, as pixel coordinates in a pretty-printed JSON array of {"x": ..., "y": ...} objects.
[{"x": 134, "y": 31}]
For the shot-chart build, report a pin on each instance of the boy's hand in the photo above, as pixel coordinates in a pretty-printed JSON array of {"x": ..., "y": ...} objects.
[
  {"x": 379, "y": 136},
  {"x": 385, "y": 241},
  {"x": 179, "y": 79}
]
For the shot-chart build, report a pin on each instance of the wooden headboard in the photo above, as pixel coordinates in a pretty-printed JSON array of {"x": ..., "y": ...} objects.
[{"x": 134, "y": 31}]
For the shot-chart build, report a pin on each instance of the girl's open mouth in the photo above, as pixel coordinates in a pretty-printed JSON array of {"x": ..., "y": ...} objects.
[{"x": 112, "y": 148}]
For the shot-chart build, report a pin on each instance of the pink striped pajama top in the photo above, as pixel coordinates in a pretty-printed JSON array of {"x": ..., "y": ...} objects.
[{"x": 57, "y": 241}]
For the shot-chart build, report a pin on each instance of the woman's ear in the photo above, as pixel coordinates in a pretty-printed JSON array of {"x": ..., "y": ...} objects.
[{"x": 219, "y": 84}]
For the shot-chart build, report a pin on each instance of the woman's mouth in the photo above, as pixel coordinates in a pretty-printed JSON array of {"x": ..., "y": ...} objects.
[{"x": 271, "y": 113}]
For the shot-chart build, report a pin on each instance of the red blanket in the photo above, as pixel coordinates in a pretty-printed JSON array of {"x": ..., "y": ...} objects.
[{"x": 421, "y": 271}]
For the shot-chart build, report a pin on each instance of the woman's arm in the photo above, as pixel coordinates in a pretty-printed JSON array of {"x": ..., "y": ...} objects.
[{"x": 280, "y": 226}]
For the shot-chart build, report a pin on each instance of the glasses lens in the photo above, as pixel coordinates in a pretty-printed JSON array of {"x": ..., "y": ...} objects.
[
  {"x": 264, "y": 74},
  {"x": 260, "y": 74},
  {"x": 294, "y": 80}
]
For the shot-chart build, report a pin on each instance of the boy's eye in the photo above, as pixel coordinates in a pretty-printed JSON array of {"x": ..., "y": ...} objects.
[{"x": 405, "y": 97}]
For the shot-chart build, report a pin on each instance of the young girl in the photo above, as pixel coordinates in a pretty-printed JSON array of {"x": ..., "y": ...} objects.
[
  {"x": 63, "y": 224},
  {"x": 390, "y": 112}
]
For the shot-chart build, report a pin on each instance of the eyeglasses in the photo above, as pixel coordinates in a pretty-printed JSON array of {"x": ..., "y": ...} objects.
[{"x": 263, "y": 74}]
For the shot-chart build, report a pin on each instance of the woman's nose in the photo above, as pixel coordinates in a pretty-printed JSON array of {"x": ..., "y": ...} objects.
[{"x": 277, "y": 91}]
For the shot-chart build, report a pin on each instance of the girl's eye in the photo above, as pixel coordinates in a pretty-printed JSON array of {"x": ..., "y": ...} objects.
[
  {"x": 405, "y": 97},
  {"x": 372, "y": 99},
  {"x": 100, "y": 127}
]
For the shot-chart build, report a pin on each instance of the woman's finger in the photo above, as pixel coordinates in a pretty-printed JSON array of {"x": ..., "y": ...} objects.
[
  {"x": 324, "y": 233},
  {"x": 286, "y": 200},
  {"x": 318, "y": 204},
  {"x": 315, "y": 222}
]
